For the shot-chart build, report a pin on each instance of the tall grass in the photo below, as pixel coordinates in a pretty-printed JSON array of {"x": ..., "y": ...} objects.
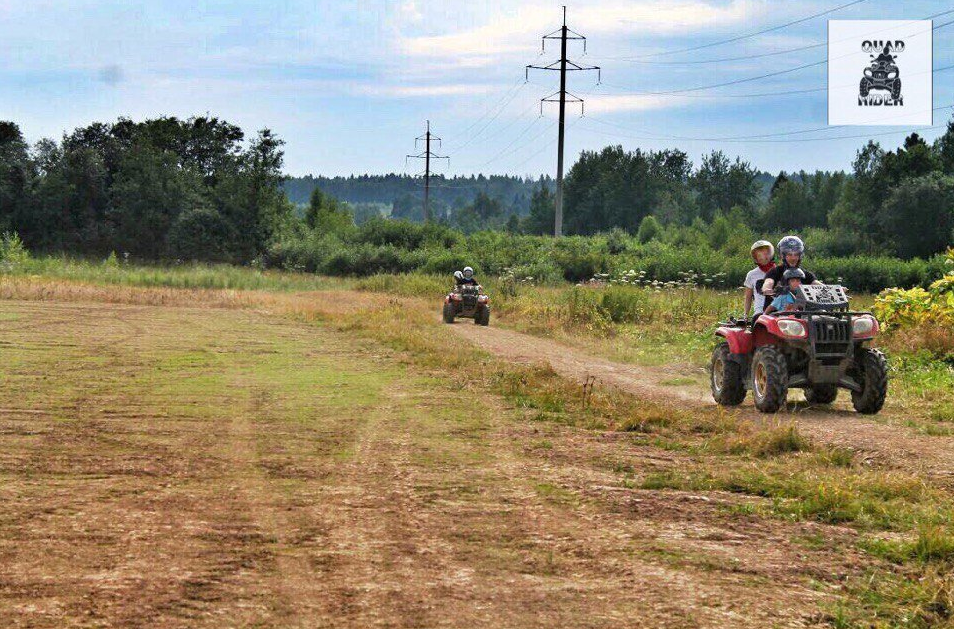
[{"x": 186, "y": 276}]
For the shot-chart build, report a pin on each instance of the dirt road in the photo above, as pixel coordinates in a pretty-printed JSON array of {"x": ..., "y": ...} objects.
[
  {"x": 189, "y": 467},
  {"x": 889, "y": 441}
]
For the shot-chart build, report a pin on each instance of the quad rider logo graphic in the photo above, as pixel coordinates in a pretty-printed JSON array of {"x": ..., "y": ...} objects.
[
  {"x": 882, "y": 75},
  {"x": 880, "y": 72}
]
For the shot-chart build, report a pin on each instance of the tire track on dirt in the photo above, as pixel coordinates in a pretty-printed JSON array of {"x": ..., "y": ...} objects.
[{"x": 890, "y": 444}]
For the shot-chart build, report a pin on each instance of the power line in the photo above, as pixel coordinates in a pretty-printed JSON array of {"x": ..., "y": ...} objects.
[
  {"x": 427, "y": 155},
  {"x": 773, "y": 141},
  {"x": 748, "y": 57},
  {"x": 754, "y": 34},
  {"x": 740, "y": 138},
  {"x": 563, "y": 65},
  {"x": 750, "y": 95},
  {"x": 497, "y": 113},
  {"x": 515, "y": 139},
  {"x": 767, "y": 74},
  {"x": 507, "y": 153}
]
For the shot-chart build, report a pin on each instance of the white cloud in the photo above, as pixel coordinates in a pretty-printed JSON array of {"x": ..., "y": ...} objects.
[
  {"x": 451, "y": 89},
  {"x": 630, "y": 102},
  {"x": 519, "y": 30}
]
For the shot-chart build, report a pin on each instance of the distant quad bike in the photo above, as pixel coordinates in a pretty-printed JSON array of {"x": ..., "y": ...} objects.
[
  {"x": 819, "y": 348},
  {"x": 882, "y": 74},
  {"x": 469, "y": 302}
]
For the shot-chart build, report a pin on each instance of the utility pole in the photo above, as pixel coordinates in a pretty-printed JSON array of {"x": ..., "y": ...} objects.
[
  {"x": 426, "y": 156},
  {"x": 564, "y": 65}
]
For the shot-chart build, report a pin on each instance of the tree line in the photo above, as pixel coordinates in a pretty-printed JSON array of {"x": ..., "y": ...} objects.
[
  {"x": 159, "y": 189},
  {"x": 198, "y": 189}
]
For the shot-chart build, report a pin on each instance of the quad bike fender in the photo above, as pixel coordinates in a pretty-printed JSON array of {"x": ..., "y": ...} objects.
[
  {"x": 740, "y": 341},
  {"x": 767, "y": 331}
]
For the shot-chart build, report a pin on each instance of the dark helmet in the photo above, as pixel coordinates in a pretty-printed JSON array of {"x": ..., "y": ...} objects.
[
  {"x": 791, "y": 244},
  {"x": 793, "y": 273}
]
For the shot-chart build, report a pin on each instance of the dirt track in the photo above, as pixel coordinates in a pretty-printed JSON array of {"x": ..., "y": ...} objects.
[
  {"x": 181, "y": 467},
  {"x": 839, "y": 424}
]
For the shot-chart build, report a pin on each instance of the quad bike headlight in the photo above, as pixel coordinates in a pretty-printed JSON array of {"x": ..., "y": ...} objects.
[
  {"x": 864, "y": 326},
  {"x": 790, "y": 327}
]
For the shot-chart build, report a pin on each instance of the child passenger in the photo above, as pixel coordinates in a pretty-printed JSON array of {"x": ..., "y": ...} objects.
[{"x": 786, "y": 301}]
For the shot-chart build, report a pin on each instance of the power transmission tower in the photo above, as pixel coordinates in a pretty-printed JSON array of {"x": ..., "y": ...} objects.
[
  {"x": 427, "y": 156},
  {"x": 564, "y": 65}
]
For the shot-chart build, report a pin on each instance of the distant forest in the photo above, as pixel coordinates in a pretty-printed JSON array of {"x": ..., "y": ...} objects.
[{"x": 402, "y": 196}]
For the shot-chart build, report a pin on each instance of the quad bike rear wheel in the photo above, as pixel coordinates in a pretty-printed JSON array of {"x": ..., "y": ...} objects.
[
  {"x": 871, "y": 371},
  {"x": 821, "y": 394},
  {"x": 448, "y": 313},
  {"x": 725, "y": 377},
  {"x": 769, "y": 379}
]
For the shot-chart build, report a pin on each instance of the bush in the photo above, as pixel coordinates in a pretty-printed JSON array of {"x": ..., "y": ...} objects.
[
  {"x": 12, "y": 252},
  {"x": 405, "y": 234},
  {"x": 577, "y": 259},
  {"x": 649, "y": 229},
  {"x": 923, "y": 318},
  {"x": 202, "y": 234},
  {"x": 624, "y": 305}
]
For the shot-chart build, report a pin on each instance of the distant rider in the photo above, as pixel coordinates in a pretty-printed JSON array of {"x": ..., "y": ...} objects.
[
  {"x": 791, "y": 249},
  {"x": 466, "y": 278},
  {"x": 785, "y": 302},
  {"x": 764, "y": 255}
]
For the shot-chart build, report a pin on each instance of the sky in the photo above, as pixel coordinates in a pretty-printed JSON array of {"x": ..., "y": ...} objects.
[{"x": 349, "y": 84}]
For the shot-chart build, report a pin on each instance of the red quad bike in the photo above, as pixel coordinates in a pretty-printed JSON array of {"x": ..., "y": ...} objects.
[
  {"x": 468, "y": 301},
  {"x": 820, "y": 348}
]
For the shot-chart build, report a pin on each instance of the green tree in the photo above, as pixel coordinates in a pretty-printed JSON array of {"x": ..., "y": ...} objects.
[
  {"x": 540, "y": 219},
  {"x": 649, "y": 229},
  {"x": 16, "y": 178},
  {"x": 72, "y": 203},
  {"x": 721, "y": 184},
  {"x": 326, "y": 215},
  {"x": 788, "y": 208},
  {"x": 201, "y": 233},
  {"x": 918, "y": 216},
  {"x": 148, "y": 194}
]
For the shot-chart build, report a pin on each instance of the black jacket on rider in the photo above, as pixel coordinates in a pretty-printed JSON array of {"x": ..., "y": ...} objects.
[
  {"x": 463, "y": 281},
  {"x": 778, "y": 272}
]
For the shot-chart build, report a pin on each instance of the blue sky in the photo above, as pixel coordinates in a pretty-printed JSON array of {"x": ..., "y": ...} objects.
[{"x": 349, "y": 85}]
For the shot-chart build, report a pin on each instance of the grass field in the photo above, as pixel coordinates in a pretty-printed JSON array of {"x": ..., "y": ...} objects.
[{"x": 271, "y": 458}]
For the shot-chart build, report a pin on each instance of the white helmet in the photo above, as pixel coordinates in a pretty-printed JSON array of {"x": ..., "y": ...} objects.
[
  {"x": 759, "y": 244},
  {"x": 458, "y": 275},
  {"x": 468, "y": 272}
]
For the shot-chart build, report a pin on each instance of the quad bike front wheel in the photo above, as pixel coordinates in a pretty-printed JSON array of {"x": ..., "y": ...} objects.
[
  {"x": 448, "y": 313},
  {"x": 871, "y": 371},
  {"x": 725, "y": 377},
  {"x": 865, "y": 87},
  {"x": 482, "y": 317},
  {"x": 896, "y": 89},
  {"x": 769, "y": 379},
  {"x": 821, "y": 394}
]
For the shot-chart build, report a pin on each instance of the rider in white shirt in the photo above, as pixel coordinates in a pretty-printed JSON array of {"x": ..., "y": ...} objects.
[{"x": 764, "y": 255}]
